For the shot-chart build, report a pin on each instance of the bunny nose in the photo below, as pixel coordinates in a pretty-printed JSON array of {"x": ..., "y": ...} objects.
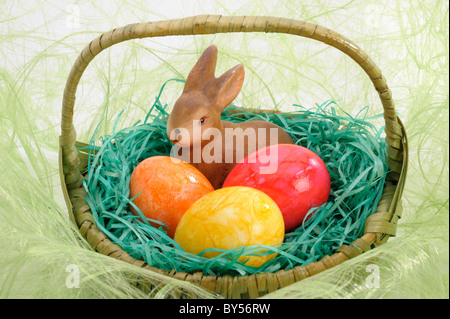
[{"x": 177, "y": 136}]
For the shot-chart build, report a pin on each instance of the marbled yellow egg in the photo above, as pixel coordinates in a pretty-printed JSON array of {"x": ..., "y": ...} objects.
[{"x": 231, "y": 217}]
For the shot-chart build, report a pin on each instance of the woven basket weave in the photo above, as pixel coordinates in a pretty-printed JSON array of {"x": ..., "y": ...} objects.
[{"x": 378, "y": 227}]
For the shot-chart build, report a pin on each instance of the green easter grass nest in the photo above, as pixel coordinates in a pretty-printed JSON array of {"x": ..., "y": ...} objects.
[{"x": 351, "y": 147}]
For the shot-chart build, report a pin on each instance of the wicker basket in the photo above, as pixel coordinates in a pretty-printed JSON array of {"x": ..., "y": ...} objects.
[{"x": 378, "y": 227}]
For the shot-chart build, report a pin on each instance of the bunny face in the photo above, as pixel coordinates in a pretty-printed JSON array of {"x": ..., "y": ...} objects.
[
  {"x": 203, "y": 99},
  {"x": 191, "y": 116}
]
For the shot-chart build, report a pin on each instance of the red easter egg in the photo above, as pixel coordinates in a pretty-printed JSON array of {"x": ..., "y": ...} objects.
[
  {"x": 167, "y": 187},
  {"x": 293, "y": 176}
]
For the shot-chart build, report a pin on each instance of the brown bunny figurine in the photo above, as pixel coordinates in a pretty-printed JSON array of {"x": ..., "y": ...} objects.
[{"x": 210, "y": 144}]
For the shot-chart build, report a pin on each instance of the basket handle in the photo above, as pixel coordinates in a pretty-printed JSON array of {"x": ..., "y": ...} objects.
[{"x": 210, "y": 24}]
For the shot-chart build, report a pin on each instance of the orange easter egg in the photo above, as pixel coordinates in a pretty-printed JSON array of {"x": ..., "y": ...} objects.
[
  {"x": 228, "y": 218},
  {"x": 167, "y": 187}
]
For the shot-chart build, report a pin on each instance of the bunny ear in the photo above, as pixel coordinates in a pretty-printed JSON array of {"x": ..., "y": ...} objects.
[
  {"x": 203, "y": 71},
  {"x": 226, "y": 88}
]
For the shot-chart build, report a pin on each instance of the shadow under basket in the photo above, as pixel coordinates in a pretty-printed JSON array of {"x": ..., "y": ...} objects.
[{"x": 379, "y": 227}]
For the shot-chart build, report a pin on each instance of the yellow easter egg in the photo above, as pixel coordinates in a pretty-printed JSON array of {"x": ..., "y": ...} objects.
[{"x": 228, "y": 218}]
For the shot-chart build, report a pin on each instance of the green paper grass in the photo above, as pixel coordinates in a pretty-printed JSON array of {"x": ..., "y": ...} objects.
[{"x": 351, "y": 147}]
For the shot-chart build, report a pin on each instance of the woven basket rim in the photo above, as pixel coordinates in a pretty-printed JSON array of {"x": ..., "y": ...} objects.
[{"x": 379, "y": 227}]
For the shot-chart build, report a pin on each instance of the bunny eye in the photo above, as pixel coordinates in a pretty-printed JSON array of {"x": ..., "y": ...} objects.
[{"x": 202, "y": 120}]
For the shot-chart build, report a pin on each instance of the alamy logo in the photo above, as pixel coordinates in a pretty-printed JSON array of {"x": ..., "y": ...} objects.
[
  {"x": 73, "y": 278},
  {"x": 73, "y": 18},
  {"x": 373, "y": 279},
  {"x": 213, "y": 146}
]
